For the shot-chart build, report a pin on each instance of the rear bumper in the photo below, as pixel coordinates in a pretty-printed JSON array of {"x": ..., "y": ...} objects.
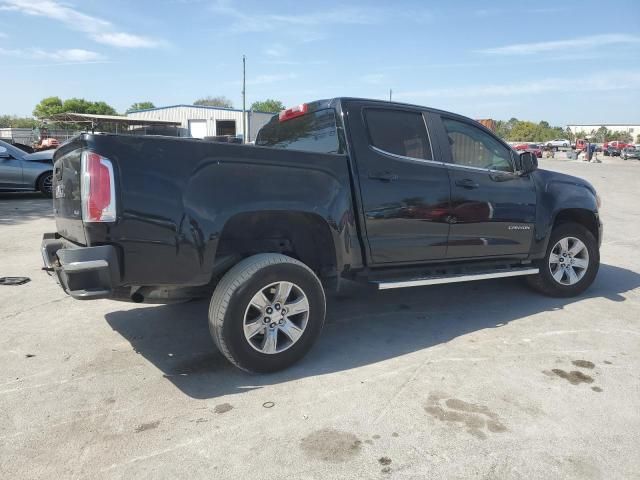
[{"x": 84, "y": 273}]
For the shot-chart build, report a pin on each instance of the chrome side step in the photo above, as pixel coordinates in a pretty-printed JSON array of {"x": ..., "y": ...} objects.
[{"x": 467, "y": 277}]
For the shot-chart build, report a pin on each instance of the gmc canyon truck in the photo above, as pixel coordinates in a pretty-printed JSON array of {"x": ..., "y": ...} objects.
[{"x": 389, "y": 194}]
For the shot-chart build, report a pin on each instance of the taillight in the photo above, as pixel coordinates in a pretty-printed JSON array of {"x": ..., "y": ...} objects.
[
  {"x": 97, "y": 189},
  {"x": 293, "y": 112}
]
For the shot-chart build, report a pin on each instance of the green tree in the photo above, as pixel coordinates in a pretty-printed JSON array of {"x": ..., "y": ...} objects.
[
  {"x": 638, "y": 138},
  {"x": 17, "y": 122},
  {"x": 525, "y": 131},
  {"x": 53, "y": 105},
  {"x": 220, "y": 101},
  {"x": 269, "y": 105},
  {"x": 569, "y": 134},
  {"x": 140, "y": 106},
  {"x": 602, "y": 134},
  {"x": 622, "y": 136},
  {"x": 47, "y": 107}
]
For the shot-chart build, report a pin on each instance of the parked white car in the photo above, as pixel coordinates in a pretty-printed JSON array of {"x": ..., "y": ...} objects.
[{"x": 558, "y": 142}]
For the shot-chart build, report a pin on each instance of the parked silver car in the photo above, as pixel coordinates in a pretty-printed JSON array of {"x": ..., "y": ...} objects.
[
  {"x": 630, "y": 152},
  {"x": 21, "y": 171}
]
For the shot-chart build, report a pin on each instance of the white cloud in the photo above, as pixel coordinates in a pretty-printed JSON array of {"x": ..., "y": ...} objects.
[
  {"x": 125, "y": 40},
  {"x": 621, "y": 80},
  {"x": 263, "y": 79},
  {"x": 489, "y": 12},
  {"x": 99, "y": 30},
  {"x": 577, "y": 43},
  {"x": 294, "y": 62},
  {"x": 73, "y": 55},
  {"x": 276, "y": 50},
  {"x": 301, "y": 23}
]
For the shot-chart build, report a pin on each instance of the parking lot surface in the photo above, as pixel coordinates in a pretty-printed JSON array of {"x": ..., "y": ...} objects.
[{"x": 476, "y": 380}]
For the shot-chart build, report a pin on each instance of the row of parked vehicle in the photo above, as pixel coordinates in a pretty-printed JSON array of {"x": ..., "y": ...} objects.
[{"x": 609, "y": 149}]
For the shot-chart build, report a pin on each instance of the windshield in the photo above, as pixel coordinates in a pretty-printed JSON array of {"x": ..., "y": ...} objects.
[{"x": 313, "y": 132}]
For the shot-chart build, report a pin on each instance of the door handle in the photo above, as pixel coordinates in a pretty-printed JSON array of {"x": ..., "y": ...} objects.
[
  {"x": 467, "y": 183},
  {"x": 383, "y": 176}
]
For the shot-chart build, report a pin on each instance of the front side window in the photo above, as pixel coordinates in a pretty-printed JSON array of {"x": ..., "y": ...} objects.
[
  {"x": 398, "y": 132},
  {"x": 472, "y": 147}
]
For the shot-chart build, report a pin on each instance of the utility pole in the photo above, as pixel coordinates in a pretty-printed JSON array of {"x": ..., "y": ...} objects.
[
  {"x": 390, "y": 94},
  {"x": 244, "y": 97}
]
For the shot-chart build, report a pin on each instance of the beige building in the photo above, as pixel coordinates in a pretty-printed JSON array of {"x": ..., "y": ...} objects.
[{"x": 632, "y": 129}]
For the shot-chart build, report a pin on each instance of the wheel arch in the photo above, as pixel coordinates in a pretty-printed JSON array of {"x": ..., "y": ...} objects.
[
  {"x": 302, "y": 235},
  {"x": 582, "y": 216}
]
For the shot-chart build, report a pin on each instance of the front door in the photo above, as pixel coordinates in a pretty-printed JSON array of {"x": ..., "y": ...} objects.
[
  {"x": 404, "y": 185},
  {"x": 492, "y": 207},
  {"x": 10, "y": 169}
]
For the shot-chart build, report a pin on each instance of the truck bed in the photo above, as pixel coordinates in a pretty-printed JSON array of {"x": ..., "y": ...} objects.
[{"x": 174, "y": 196}]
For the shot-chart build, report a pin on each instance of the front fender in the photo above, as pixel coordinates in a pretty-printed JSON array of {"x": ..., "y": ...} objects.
[{"x": 557, "y": 193}]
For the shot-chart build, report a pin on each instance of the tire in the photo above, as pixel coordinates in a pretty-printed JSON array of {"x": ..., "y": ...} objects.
[
  {"x": 231, "y": 309},
  {"x": 545, "y": 283},
  {"x": 45, "y": 184}
]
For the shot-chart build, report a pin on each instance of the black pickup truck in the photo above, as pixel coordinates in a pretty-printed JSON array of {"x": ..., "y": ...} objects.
[{"x": 389, "y": 194}]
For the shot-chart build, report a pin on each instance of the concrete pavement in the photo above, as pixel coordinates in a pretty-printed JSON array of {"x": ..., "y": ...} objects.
[{"x": 478, "y": 380}]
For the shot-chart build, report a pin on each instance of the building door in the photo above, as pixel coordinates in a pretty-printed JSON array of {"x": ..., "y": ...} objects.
[
  {"x": 226, "y": 127},
  {"x": 198, "y": 128}
]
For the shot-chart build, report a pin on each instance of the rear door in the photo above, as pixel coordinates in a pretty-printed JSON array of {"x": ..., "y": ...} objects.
[
  {"x": 404, "y": 186},
  {"x": 492, "y": 207}
]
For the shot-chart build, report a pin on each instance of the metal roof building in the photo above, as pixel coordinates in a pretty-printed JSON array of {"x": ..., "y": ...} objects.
[
  {"x": 630, "y": 128},
  {"x": 200, "y": 121}
]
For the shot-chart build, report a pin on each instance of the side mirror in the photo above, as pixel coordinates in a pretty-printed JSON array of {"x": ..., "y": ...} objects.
[
  {"x": 4, "y": 153},
  {"x": 528, "y": 162}
]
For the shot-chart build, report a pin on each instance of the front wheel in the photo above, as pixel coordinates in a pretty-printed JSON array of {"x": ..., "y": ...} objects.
[
  {"x": 570, "y": 264},
  {"x": 267, "y": 312},
  {"x": 45, "y": 184}
]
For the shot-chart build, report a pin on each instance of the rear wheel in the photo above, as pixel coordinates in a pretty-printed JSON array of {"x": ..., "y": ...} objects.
[
  {"x": 267, "y": 312},
  {"x": 570, "y": 264},
  {"x": 45, "y": 184}
]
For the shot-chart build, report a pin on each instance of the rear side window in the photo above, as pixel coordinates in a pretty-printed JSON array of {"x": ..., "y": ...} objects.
[
  {"x": 398, "y": 132},
  {"x": 313, "y": 132}
]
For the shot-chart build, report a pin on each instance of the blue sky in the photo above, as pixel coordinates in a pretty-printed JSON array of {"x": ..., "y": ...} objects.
[{"x": 565, "y": 62}]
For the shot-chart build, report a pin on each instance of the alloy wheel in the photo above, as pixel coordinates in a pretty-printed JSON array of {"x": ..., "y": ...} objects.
[
  {"x": 276, "y": 317},
  {"x": 47, "y": 183},
  {"x": 568, "y": 261}
]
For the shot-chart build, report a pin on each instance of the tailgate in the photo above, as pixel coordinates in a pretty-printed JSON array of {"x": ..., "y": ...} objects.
[{"x": 67, "y": 204}]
